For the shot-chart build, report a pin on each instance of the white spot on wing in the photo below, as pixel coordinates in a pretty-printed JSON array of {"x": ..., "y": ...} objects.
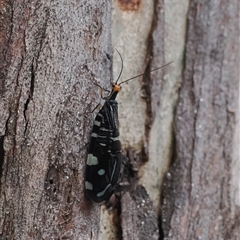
[
  {"x": 105, "y": 189},
  {"x": 115, "y": 138},
  {"x": 96, "y": 135},
  {"x": 92, "y": 160},
  {"x": 88, "y": 185},
  {"x": 113, "y": 172},
  {"x": 105, "y": 129},
  {"x": 97, "y": 123},
  {"x": 101, "y": 172}
]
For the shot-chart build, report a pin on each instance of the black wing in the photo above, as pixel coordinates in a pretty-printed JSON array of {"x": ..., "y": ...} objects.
[{"x": 104, "y": 155}]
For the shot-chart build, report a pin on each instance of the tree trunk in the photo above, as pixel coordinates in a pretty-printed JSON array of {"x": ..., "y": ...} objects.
[
  {"x": 179, "y": 126},
  {"x": 198, "y": 37},
  {"x": 51, "y": 52},
  {"x": 201, "y": 193}
]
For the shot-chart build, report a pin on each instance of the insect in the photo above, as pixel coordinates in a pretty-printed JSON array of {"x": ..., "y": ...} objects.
[{"x": 104, "y": 154}]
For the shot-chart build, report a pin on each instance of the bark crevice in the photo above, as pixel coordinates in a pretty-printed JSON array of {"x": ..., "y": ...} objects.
[
  {"x": 30, "y": 97},
  {"x": 2, "y": 153}
]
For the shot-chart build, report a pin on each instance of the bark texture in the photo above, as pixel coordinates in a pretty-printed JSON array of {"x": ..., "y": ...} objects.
[
  {"x": 51, "y": 51},
  {"x": 201, "y": 191},
  {"x": 199, "y": 201}
]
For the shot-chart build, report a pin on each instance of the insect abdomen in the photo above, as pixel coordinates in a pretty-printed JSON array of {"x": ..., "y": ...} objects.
[{"x": 104, "y": 156}]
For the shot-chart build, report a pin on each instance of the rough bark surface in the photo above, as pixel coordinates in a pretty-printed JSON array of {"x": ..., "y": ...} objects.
[
  {"x": 131, "y": 30},
  {"x": 139, "y": 221},
  {"x": 198, "y": 199},
  {"x": 166, "y": 44},
  {"x": 51, "y": 51}
]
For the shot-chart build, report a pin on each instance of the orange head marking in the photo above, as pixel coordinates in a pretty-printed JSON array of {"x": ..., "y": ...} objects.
[{"x": 116, "y": 87}]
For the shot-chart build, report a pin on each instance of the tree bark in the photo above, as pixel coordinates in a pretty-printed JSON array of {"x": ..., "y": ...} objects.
[
  {"x": 201, "y": 193},
  {"x": 200, "y": 39},
  {"x": 179, "y": 126},
  {"x": 51, "y": 52}
]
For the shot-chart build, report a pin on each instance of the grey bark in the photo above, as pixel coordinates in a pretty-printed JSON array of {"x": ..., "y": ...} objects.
[
  {"x": 201, "y": 193},
  {"x": 202, "y": 143},
  {"x": 51, "y": 52}
]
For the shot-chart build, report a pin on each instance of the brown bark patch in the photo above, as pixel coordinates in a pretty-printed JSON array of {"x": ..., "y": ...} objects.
[{"x": 129, "y": 5}]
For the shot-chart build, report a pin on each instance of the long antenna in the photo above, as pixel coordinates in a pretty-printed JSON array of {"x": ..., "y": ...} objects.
[
  {"x": 121, "y": 67},
  {"x": 144, "y": 72}
]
